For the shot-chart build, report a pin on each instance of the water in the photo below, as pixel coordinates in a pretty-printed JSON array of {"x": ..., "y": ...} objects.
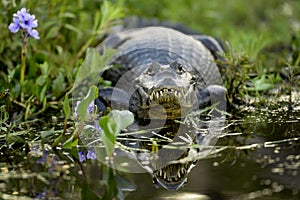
[{"x": 258, "y": 157}]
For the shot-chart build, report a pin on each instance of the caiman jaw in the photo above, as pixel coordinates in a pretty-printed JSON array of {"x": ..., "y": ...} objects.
[
  {"x": 172, "y": 176},
  {"x": 167, "y": 96},
  {"x": 170, "y": 103}
]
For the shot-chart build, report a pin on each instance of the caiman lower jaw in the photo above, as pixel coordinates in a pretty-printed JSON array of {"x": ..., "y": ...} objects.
[{"x": 173, "y": 176}]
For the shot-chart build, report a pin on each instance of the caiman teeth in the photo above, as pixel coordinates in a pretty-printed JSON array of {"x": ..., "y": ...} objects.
[
  {"x": 178, "y": 174},
  {"x": 165, "y": 94}
]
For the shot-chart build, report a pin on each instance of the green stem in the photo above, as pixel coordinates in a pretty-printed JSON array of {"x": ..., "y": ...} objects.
[{"x": 23, "y": 61}]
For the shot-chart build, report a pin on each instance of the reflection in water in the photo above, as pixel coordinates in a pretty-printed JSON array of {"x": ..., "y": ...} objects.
[
  {"x": 168, "y": 150},
  {"x": 261, "y": 161},
  {"x": 170, "y": 153}
]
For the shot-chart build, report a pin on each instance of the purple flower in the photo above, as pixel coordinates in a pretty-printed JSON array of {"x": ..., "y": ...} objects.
[
  {"x": 81, "y": 156},
  {"x": 97, "y": 126},
  {"x": 44, "y": 158},
  {"x": 41, "y": 195},
  {"x": 90, "y": 107},
  {"x": 33, "y": 33},
  {"x": 91, "y": 154},
  {"x": 24, "y": 20},
  {"x": 15, "y": 26}
]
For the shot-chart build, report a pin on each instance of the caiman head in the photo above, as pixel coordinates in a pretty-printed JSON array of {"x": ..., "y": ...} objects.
[
  {"x": 165, "y": 91},
  {"x": 173, "y": 176}
]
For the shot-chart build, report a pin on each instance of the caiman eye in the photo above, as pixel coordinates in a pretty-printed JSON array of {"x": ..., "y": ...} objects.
[
  {"x": 178, "y": 67},
  {"x": 193, "y": 79},
  {"x": 150, "y": 71}
]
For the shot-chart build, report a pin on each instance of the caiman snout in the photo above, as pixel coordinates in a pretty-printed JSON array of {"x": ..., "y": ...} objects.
[{"x": 168, "y": 89}]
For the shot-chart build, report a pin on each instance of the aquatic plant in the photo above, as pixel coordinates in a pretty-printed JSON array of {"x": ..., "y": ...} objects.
[
  {"x": 24, "y": 21},
  {"x": 91, "y": 154}
]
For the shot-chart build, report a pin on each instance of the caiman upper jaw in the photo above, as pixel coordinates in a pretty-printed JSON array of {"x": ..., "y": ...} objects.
[{"x": 166, "y": 95}]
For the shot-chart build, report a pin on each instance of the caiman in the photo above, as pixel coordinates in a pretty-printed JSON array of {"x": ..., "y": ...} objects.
[{"x": 162, "y": 74}]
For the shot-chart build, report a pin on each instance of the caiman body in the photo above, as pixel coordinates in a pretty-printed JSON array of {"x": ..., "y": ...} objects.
[{"x": 161, "y": 73}]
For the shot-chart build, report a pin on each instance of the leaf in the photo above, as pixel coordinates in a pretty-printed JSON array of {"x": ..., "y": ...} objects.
[
  {"x": 70, "y": 143},
  {"x": 41, "y": 80},
  {"x": 83, "y": 105},
  {"x": 122, "y": 118},
  {"x": 58, "y": 85},
  {"x": 66, "y": 107},
  {"x": 92, "y": 65},
  {"x": 45, "y": 135},
  {"x": 262, "y": 84},
  {"x": 88, "y": 193},
  {"x": 110, "y": 12},
  {"x": 108, "y": 138},
  {"x": 109, "y": 179},
  {"x": 44, "y": 68},
  {"x": 43, "y": 92},
  {"x": 112, "y": 124}
]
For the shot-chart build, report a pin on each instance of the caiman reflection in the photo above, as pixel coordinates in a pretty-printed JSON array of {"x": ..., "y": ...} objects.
[{"x": 170, "y": 163}]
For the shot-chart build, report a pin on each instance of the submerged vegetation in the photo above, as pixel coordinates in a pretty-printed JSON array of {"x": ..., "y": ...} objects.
[{"x": 41, "y": 118}]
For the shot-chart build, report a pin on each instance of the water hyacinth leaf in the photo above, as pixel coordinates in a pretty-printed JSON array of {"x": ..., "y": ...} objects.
[
  {"x": 44, "y": 68},
  {"x": 58, "y": 85},
  {"x": 70, "y": 143},
  {"x": 41, "y": 80},
  {"x": 46, "y": 135},
  {"x": 108, "y": 137},
  {"x": 109, "y": 179},
  {"x": 122, "y": 118},
  {"x": 93, "y": 64},
  {"x": 84, "y": 104},
  {"x": 112, "y": 124},
  {"x": 262, "y": 83}
]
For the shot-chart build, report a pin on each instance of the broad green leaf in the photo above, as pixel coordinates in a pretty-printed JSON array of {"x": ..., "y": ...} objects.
[
  {"x": 58, "y": 85},
  {"x": 108, "y": 137},
  {"x": 91, "y": 96},
  {"x": 93, "y": 64},
  {"x": 41, "y": 80},
  {"x": 112, "y": 124},
  {"x": 122, "y": 118},
  {"x": 44, "y": 68}
]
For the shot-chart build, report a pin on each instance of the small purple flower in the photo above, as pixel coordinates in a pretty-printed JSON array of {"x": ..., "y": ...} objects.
[
  {"x": 81, "y": 156},
  {"x": 25, "y": 21},
  {"x": 41, "y": 195},
  {"x": 91, "y": 154},
  {"x": 33, "y": 33},
  {"x": 15, "y": 26},
  {"x": 44, "y": 158},
  {"x": 97, "y": 126},
  {"x": 90, "y": 107}
]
